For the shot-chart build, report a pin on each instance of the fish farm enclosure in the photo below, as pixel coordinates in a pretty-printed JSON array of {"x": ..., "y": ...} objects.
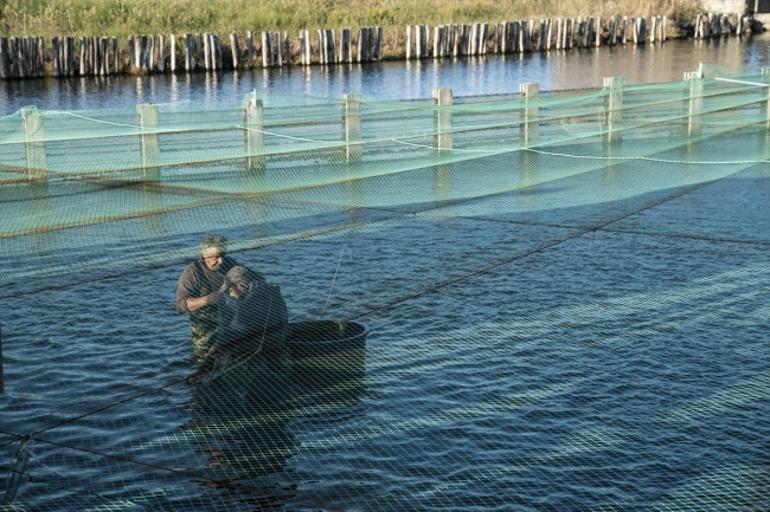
[{"x": 541, "y": 301}]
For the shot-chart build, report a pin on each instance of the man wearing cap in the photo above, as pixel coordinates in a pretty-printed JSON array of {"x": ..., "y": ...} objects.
[{"x": 201, "y": 289}]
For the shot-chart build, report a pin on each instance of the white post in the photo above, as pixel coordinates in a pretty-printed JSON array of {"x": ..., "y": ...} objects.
[
  {"x": 253, "y": 113},
  {"x": 529, "y": 122},
  {"x": 149, "y": 144},
  {"x": 351, "y": 127},
  {"x": 613, "y": 85},
  {"x": 34, "y": 135},
  {"x": 442, "y": 99}
]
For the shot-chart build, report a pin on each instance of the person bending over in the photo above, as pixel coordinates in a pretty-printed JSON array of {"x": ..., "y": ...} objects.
[{"x": 254, "y": 315}]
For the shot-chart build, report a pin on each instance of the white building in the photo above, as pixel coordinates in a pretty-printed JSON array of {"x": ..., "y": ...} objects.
[{"x": 731, "y": 6}]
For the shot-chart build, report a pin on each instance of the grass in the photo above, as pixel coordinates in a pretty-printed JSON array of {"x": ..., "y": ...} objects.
[{"x": 124, "y": 17}]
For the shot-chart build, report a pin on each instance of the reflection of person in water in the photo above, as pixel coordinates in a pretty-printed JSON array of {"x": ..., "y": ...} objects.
[{"x": 241, "y": 421}]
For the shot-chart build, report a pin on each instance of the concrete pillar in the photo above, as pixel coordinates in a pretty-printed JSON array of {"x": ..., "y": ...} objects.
[
  {"x": 149, "y": 143},
  {"x": 613, "y": 86},
  {"x": 695, "y": 102},
  {"x": 253, "y": 114},
  {"x": 442, "y": 98},
  {"x": 529, "y": 115},
  {"x": 32, "y": 122},
  {"x": 351, "y": 127}
]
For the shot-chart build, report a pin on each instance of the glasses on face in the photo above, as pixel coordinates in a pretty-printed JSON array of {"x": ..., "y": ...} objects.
[{"x": 219, "y": 256}]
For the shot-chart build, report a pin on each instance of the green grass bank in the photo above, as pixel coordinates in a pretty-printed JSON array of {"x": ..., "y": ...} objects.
[{"x": 125, "y": 17}]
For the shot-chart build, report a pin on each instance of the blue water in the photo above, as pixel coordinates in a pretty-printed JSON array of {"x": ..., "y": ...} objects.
[
  {"x": 543, "y": 334},
  {"x": 398, "y": 80}
]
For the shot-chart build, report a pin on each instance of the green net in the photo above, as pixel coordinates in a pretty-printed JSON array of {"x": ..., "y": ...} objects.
[{"x": 519, "y": 302}]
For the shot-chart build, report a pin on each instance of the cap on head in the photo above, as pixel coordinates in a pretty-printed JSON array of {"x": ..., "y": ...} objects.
[{"x": 214, "y": 241}]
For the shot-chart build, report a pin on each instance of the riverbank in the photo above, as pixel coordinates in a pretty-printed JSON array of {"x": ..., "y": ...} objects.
[
  {"x": 121, "y": 18},
  {"x": 68, "y": 56}
]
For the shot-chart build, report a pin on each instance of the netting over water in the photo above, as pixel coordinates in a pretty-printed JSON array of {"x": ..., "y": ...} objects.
[{"x": 552, "y": 302}]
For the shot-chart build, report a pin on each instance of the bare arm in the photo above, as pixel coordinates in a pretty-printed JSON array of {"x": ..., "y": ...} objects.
[{"x": 196, "y": 303}]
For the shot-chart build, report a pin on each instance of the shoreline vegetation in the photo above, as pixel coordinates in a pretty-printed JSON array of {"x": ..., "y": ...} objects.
[{"x": 121, "y": 18}]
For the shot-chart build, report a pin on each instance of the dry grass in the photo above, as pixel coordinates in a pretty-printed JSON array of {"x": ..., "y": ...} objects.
[{"x": 125, "y": 17}]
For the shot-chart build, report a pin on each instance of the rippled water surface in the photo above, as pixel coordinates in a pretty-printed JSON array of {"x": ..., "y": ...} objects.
[{"x": 542, "y": 333}]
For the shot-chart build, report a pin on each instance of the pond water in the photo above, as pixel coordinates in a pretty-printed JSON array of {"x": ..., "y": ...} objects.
[
  {"x": 575, "y": 69},
  {"x": 543, "y": 332}
]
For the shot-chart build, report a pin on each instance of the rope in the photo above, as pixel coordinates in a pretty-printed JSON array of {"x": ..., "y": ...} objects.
[
  {"x": 98, "y": 120},
  {"x": 589, "y": 157},
  {"x": 334, "y": 278}
]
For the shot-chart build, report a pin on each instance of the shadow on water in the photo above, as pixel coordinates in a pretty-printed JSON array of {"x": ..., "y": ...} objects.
[{"x": 249, "y": 411}]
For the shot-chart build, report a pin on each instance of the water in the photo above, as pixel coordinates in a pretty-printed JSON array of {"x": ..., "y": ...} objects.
[
  {"x": 569, "y": 336},
  {"x": 474, "y": 76}
]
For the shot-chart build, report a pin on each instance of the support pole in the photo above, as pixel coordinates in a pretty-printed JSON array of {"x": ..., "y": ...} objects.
[
  {"x": 529, "y": 121},
  {"x": 695, "y": 103},
  {"x": 149, "y": 144},
  {"x": 351, "y": 127},
  {"x": 32, "y": 122},
  {"x": 613, "y": 85},
  {"x": 442, "y": 98},
  {"x": 766, "y": 79},
  {"x": 253, "y": 114}
]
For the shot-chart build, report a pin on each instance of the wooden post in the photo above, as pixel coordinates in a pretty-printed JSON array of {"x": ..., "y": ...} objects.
[
  {"x": 4, "y": 58},
  {"x": 529, "y": 122},
  {"x": 598, "y": 31},
  {"x": 697, "y": 23},
  {"x": 408, "y": 42},
  {"x": 266, "y": 53},
  {"x": 695, "y": 103},
  {"x": 330, "y": 47},
  {"x": 149, "y": 144},
  {"x": 250, "y": 49},
  {"x": 442, "y": 99},
  {"x": 217, "y": 53},
  {"x": 351, "y": 127},
  {"x": 206, "y": 52},
  {"x": 234, "y": 50},
  {"x": 82, "y": 61},
  {"x": 766, "y": 79},
  {"x": 172, "y": 52},
  {"x": 417, "y": 42},
  {"x": 436, "y": 40},
  {"x": 188, "y": 53},
  {"x": 117, "y": 64},
  {"x": 346, "y": 50},
  {"x": 308, "y": 47},
  {"x": 321, "y": 46},
  {"x": 55, "y": 58},
  {"x": 32, "y": 121},
  {"x": 253, "y": 113},
  {"x": 161, "y": 46},
  {"x": 613, "y": 85},
  {"x": 624, "y": 30},
  {"x": 276, "y": 55}
]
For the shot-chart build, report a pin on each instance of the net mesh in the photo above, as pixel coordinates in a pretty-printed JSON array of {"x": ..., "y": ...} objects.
[{"x": 553, "y": 301}]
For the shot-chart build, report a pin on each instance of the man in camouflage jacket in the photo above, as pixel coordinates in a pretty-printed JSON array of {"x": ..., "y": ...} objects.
[{"x": 201, "y": 289}]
